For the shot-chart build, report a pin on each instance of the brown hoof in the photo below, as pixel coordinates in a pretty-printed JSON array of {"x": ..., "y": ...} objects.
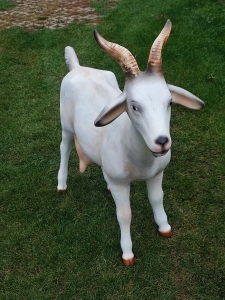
[
  {"x": 129, "y": 262},
  {"x": 109, "y": 190},
  {"x": 61, "y": 191},
  {"x": 166, "y": 234}
]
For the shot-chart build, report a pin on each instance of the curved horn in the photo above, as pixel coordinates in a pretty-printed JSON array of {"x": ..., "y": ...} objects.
[
  {"x": 155, "y": 56},
  {"x": 121, "y": 54}
]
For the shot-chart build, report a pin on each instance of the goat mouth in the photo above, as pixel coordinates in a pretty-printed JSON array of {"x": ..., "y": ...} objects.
[{"x": 158, "y": 154}]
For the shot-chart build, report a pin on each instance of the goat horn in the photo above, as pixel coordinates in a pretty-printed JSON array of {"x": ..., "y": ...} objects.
[
  {"x": 155, "y": 56},
  {"x": 121, "y": 55}
]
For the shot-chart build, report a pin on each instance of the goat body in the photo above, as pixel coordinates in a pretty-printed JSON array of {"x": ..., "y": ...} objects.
[{"x": 134, "y": 146}]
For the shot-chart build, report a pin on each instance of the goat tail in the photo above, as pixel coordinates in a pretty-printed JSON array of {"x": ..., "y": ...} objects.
[{"x": 71, "y": 58}]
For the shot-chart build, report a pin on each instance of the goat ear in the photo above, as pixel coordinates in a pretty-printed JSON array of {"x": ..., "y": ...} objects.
[
  {"x": 113, "y": 110},
  {"x": 185, "y": 98}
]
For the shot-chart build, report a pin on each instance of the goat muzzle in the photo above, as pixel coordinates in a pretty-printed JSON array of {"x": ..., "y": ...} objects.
[{"x": 158, "y": 154}]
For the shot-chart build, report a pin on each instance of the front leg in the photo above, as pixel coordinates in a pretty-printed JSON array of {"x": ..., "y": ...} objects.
[
  {"x": 121, "y": 196},
  {"x": 155, "y": 195},
  {"x": 106, "y": 179}
]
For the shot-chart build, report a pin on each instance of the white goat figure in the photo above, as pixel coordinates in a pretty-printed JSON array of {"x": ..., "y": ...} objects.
[{"x": 136, "y": 144}]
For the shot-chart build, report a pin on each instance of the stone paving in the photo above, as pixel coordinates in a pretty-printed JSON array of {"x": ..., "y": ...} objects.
[{"x": 51, "y": 14}]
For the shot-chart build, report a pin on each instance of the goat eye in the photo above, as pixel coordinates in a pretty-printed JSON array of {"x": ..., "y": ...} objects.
[
  {"x": 134, "y": 108},
  {"x": 170, "y": 104}
]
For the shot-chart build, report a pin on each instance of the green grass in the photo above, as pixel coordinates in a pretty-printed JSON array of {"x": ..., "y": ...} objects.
[
  {"x": 66, "y": 246},
  {"x": 6, "y": 4}
]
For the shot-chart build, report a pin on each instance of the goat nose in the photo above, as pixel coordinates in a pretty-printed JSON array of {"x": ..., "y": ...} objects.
[{"x": 162, "y": 140}]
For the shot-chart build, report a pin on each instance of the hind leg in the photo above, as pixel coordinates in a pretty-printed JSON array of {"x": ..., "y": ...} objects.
[{"x": 65, "y": 149}]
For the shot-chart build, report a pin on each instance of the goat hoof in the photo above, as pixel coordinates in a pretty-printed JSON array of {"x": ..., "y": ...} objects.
[
  {"x": 109, "y": 190},
  {"x": 129, "y": 262},
  {"x": 61, "y": 191},
  {"x": 166, "y": 234}
]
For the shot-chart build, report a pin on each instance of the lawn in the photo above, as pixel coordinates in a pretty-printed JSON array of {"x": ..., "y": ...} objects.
[
  {"x": 66, "y": 246},
  {"x": 6, "y": 4}
]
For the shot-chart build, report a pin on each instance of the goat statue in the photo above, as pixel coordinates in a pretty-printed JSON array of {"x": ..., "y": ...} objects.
[{"x": 134, "y": 145}]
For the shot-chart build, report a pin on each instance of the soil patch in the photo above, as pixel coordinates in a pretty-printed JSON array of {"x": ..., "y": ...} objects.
[{"x": 52, "y": 14}]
